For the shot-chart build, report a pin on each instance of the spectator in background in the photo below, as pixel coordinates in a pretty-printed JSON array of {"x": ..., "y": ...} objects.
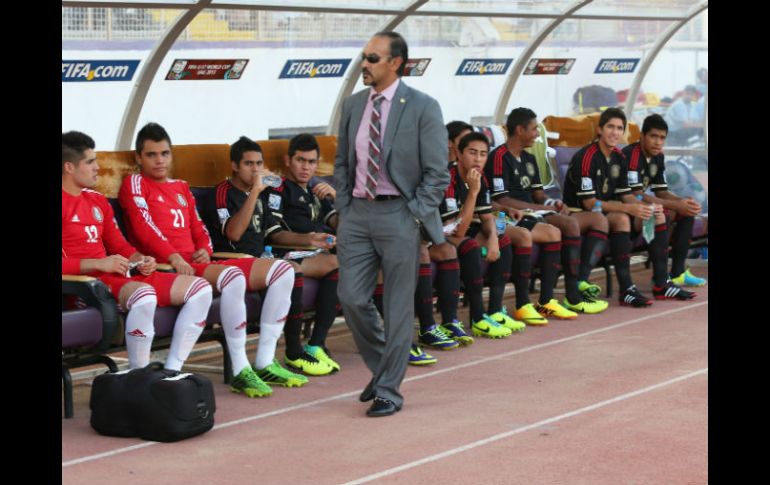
[
  {"x": 703, "y": 81},
  {"x": 682, "y": 117}
]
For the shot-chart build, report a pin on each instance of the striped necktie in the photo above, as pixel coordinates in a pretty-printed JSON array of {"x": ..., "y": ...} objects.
[{"x": 375, "y": 148}]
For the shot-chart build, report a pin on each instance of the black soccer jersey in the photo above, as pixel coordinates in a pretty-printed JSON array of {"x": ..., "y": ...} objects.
[
  {"x": 299, "y": 209},
  {"x": 455, "y": 195},
  {"x": 590, "y": 174},
  {"x": 516, "y": 178},
  {"x": 228, "y": 201},
  {"x": 645, "y": 173}
]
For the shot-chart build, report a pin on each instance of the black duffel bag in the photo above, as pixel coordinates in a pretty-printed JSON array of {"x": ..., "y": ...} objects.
[{"x": 152, "y": 403}]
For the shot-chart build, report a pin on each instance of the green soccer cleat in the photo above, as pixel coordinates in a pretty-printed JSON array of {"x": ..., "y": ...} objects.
[
  {"x": 247, "y": 382},
  {"x": 688, "y": 279},
  {"x": 589, "y": 289},
  {"x": 587, "y": 305},
  {"x": 275, "y": 375},
  {"x": 486, "y": 327},
  {"x": 506, "y": 321},
  {"x": 309, "y": 365},
  {"x": 322, "y": 355}
]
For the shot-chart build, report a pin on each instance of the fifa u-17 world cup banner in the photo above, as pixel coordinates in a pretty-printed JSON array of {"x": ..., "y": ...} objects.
[
  {"x": 616, "y": 66},
  {"x": 549, "y": 66},
  {"x": 206, "y": 69},
  {"x": 416, "y": 67},
  {"x": 83, "y": 71}
]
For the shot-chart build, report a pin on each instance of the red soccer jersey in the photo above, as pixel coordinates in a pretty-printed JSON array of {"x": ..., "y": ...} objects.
[
  {"x": 161, "y": 218},
  {"x": 89, "y": 230}
]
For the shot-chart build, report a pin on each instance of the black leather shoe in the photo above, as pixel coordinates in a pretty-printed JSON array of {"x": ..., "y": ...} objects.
[
  {"x": 368, "y": 393},
  {"x": 382, "y": 407}
]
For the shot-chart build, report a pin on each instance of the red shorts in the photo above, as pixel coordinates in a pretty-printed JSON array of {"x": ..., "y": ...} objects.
[
  {"x": 160, "y": 281},
  {"x": 245, "y": 264}
]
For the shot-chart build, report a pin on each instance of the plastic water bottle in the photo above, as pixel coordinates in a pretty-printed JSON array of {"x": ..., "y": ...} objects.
[
  {"x": 597, "y": 206},
  {"x": 648, "y": 226},
  {"x": 267, "y": 253},
  {"x": 500, "y": 223},
  {"x": 272, "y": 180}
]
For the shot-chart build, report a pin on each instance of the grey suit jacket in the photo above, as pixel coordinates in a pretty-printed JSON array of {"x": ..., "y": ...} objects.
[{"x": 414, "y": 152}]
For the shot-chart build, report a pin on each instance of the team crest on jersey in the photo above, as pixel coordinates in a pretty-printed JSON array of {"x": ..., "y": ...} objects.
[
  {"x": 223, "y": 214},
  {"x": 586, "y": 183},
  {"x": 525, "y": 182},
  {"x": 181, "y": 200},
  {"x": 274, "y": 201},
  {"x": 97, "y": 214},
  {"x": 140, "y": 202},
  {"x": 646, "y": 182},
  {"x": 606, "y": 186},
  {"x": 451, "y": 204},
  {"x": 302, "y": 198},
  {"x": 599, "y": 172},
  {"x": 614, "y": 171},
  {"x": 531, "y": 169},
  {"x": 653, "y": 170},
  {"x": 486, "y": 197},
  {"x": 633, "y": 177},
  {"x": 498, "y": 185}
]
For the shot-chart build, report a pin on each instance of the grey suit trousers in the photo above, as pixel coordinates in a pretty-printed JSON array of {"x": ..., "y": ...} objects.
[{"x": 374, "y": 235}]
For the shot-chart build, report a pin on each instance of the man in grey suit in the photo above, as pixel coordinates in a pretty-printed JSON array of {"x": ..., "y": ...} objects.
[{"x": 390, "y": 175}]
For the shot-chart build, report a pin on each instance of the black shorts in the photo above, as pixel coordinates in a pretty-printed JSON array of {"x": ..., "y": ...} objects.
[{"x": 527, "y": 223}]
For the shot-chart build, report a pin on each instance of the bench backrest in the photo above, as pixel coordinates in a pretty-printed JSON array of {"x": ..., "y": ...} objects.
[{"x": 204, "y": 165}]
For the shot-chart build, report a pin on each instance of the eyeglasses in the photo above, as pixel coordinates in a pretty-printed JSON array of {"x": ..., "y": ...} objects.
[{"x": 372, "y": 58}]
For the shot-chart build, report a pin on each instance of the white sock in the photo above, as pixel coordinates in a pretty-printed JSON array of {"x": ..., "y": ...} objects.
[
  {"x": 189, "y": 323},
  {"x": 280, "y": 281},
  {"x": 140, "y": 328},
  {"x": 232, "y": 284}
]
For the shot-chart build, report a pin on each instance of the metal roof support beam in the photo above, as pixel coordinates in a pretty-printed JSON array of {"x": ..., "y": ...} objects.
[
  {"x": 353, "y": 73},
  {"x": 656, "y": 48},
  {"x": 521, "y": 62},
  {"x": 149, "y": 69},
  {"x": 278, "y": 6}
]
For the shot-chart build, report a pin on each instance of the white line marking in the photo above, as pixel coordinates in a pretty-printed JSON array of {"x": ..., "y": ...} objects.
[
  {"x": 409, "y": 379},
  {"x": 497, "y": 437},
  {"x": 108, "y": 453}
]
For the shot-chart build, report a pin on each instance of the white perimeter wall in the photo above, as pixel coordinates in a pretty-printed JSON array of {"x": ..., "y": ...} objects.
[{"x": 220, "y": 111}]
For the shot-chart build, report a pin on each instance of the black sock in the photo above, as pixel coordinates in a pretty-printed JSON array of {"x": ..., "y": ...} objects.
[
  {"x": 570, "y": 263},
  {"x": 680, "y": 243},
  {"x": 593, "y": 250},
  {"x": 620, "y": 246},
  {"x": 448, "y": 288},
  {"x": 522, "y": 270},
  {"x": 658, "y": 252},
  {"x": 549, "y": 269},
  {"x": 423, "y": 298},
  {"x": 378, "y": 290},
  {"x": 469, "y": 254},
  {"x": 498, "y": 274},
  {"x": 326, "y": 308},
  {"x": 293, "y": 329}
]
